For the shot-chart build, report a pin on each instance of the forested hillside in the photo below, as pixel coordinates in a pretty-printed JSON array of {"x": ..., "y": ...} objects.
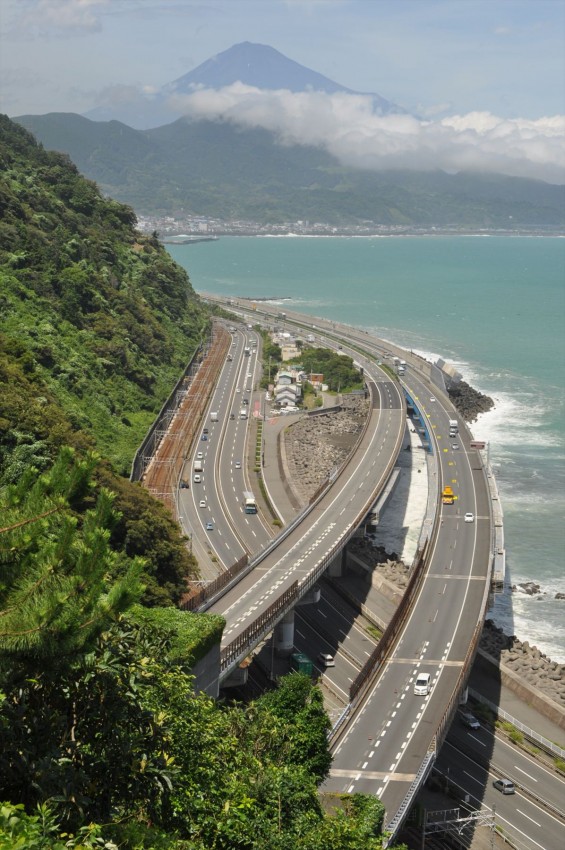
[{"x": 103, "y": 742}]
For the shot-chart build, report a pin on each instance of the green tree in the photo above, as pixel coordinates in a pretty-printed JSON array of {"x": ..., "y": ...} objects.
[
  {"x": 61, "y": 581},
  {"x": 300, "y": 723}
]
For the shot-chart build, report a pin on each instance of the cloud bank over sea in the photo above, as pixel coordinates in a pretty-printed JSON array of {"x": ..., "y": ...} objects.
[{"x": 346, "y": 126}]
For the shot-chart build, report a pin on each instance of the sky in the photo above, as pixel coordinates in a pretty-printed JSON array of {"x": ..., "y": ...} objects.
[{"x": 486, "y": 78}]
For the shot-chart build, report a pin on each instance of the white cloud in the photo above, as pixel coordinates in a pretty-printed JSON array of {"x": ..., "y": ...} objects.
[
  {"x": 346, "y": 126},
  {"x": 60, "y": 16}
]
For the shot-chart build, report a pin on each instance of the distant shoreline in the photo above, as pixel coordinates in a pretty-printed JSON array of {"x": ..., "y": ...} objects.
[{"x": 520, "y": 234}]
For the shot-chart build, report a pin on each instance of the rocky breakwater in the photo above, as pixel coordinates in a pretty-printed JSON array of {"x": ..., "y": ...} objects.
[
  {"x": 315, "y": 445},
  {"x": 468, "y": 401},
  {"x": 526, "y": 662}
]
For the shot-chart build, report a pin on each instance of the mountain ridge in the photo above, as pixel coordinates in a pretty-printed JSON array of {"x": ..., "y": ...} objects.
[{"x": 219, "y": 170}]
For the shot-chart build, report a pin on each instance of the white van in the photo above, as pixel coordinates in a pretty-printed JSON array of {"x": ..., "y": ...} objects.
[{"x": 422, "y": 685}]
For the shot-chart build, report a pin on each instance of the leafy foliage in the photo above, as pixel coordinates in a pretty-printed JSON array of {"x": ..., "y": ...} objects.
[
  {"x": 338, "y": 370},
  {"x": 96, "y": 319},
  {"x": 119, "y": 737},
  {"x": 56, "y": 590},
  {"x": 96, "y": 325},
  {"x": 103, "y": 741}
]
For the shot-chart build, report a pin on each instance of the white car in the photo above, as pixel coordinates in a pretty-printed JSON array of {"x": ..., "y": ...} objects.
[
  {"x": 422, "y": 685},
  {"x": 469, "y": 517},
  {"x": 455, "y": 446},
  {"x": 202, "y": 503},
  {"x": 432, "y": 398},
  {"x": 238, "y": 464},
  {"x": 197, "y": 479},
  {"x": 199, "y": 455},
  {"x": 238, "y": 390},
  {"x": 326, "y": 660}
]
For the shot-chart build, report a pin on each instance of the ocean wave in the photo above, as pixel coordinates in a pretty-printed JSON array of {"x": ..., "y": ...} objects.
[{"x": 537, "y": 620}]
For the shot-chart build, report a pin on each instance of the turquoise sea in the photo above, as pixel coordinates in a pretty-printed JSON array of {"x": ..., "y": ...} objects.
[{"x": 493, "y": 306}]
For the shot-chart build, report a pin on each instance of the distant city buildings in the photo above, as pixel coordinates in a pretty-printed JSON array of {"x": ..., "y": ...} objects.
[{"x": 182, "y": 227}]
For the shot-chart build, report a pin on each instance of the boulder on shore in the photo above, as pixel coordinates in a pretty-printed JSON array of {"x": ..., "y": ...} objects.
[{"x": 468, "y": 401}]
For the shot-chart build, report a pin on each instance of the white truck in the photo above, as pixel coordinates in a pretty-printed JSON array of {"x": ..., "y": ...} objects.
[
  {"x": 198, "y": 466},
  {"x": 249, "y": 503},
  {"x": 213, "y": 416},
  {"x": 453, "y": 427}
]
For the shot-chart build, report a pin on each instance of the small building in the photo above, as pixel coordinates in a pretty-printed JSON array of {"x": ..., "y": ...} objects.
[
  {"x": 284, "y": 379},
  {"x": 316, "y": 379},
  {"x": 289, "y": 351}
]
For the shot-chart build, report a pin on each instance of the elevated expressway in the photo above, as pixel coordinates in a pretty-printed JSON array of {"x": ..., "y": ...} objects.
[
  {"x": 291, "y": 565},
  {"x": 390, "y": 737}
]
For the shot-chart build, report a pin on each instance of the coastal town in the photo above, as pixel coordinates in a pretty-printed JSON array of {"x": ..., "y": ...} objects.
[{"x": 184, "y": 228}]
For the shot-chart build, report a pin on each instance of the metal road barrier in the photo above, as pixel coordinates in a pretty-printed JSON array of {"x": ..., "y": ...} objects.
[
  {"x": 239, "y": 648},
  {"x": 392, "y": 828},
  {"x": 209, "y": 597},
  {"x": 194, "y": 602},
  {"x": 373, "y": 665}
]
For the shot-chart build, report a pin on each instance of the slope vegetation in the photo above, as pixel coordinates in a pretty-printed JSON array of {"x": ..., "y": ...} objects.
[{"x": 96, "y": 323}]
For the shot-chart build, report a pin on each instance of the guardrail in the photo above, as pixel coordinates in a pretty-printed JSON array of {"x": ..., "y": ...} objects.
[
  {"x": 373, "y": 664},
  {"x": 313, "y": 577},
  {"x": 213, "y": 587},
  {"x": 392, "y": 828},
  {"x": 239, "y": 648},
  {"x": 533, "y": 736}
]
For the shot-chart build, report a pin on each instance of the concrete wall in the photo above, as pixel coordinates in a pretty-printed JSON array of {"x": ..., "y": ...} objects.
[{"x": 526, "y": 692}]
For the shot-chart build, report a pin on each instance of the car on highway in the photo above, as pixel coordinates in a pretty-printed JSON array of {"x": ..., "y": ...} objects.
[
  {"x": 422, "y": 684},
  {"x": 238, "y": 390},
  {"x": 469, "y": 517},
  {"x": 232, "y": 415},
  {"x": 245, "y": 401},
  {"x": 204, "y": 437},
  {"x": 197, "y": 479},
  {"x": 455, "y": 446},
  {"x": 209, "y": 526},
  {"x": 432, "y": 398},
  {"x": 237, "y": 464},
  {"x": 184, "y": 484},
  {"x": 326, "y": 660},
  {"x": 469, "y": 720},
  {"x": 202, "y": 503},
  {"x": 505, "y": 786},
  {"x": 199, "y": 455},
  {"x": 205, "y": 430}
]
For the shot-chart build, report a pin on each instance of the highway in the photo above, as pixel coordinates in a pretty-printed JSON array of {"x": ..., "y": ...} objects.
[
  {"x": 392, "y": 730},
  {"x": 224, "y": 475},
  {"x": 472, "y": 761},
  {"x": 383, "y": 746},
  {"x": 301, "y": 555}
]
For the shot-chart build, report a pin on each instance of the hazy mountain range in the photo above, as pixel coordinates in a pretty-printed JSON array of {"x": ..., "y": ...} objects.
[{"x": 217, "y": 163}]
